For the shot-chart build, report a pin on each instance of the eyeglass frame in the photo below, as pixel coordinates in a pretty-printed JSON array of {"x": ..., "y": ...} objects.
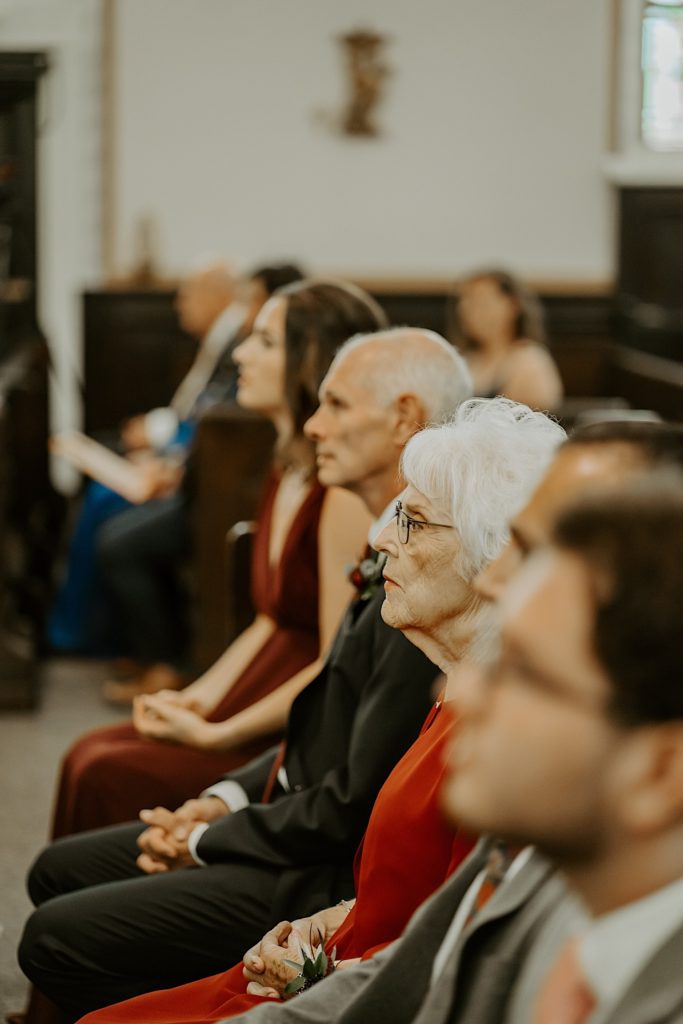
[{"x": 410, "y": 522}]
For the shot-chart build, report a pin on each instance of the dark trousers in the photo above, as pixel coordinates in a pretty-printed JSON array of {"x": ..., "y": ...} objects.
[
  {"x": 139, "y": 555},
  {"x": 104, "y": 931}
]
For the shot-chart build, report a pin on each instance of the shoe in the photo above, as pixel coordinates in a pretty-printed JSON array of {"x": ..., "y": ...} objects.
[
  {"x": 152, "y": 680},
  {"x": 126, "y": 668}
]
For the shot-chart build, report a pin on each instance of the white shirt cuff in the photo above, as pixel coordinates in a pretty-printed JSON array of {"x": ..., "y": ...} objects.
[
  {"x": 192, "y": 840},
  {"x": 231, "y": 793},
  {"x": 160, "y": 426}
]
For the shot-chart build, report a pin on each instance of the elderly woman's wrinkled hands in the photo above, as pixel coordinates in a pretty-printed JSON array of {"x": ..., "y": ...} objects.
[
  {"x": 264, "y": 964},
  {"x": 265, "y": 967}
]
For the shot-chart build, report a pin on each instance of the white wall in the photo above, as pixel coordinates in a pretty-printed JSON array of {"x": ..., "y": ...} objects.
[
  {"x": 68, "y": 175},
  {"x": 495, "y": 125},
  {"x": 495, "y": 129}
]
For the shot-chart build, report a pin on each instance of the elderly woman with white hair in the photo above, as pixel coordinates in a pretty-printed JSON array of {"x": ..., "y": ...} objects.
[{"x": 465, "y": 480}]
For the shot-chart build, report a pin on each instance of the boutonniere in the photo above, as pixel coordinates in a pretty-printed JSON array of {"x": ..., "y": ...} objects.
[
  {"x": 315, "y": 966},
  {"x": 366, "y": 576}
]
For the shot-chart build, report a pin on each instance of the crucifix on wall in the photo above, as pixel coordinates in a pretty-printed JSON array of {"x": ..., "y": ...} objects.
[{"x": 367, "y": 75}]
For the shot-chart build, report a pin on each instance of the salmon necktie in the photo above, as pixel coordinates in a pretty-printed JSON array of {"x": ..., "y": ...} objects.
[
  {"x": 499, "y": 859},
  {"x": 565, "y": 996}
]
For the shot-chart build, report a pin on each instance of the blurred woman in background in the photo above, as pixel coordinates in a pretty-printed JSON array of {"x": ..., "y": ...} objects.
[{"x": 500, "y": 332}]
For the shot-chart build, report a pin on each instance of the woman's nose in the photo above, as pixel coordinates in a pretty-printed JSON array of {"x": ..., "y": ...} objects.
[
  {"x": 386, "y": 540},
  {"x": 241, "y": 353}
]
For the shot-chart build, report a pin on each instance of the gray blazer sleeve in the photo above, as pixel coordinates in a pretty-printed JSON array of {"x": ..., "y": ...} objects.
[{"x": 322, "y": 1004}]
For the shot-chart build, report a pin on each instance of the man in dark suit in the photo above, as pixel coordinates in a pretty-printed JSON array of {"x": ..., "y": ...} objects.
[{"x": 108, "y": 927}]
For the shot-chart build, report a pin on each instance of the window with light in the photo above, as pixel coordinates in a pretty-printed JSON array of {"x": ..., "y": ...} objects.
[{"x": 662, "y": 75}]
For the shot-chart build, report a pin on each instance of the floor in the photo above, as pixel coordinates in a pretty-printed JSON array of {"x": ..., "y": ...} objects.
[{"x": 31, "y": 746}]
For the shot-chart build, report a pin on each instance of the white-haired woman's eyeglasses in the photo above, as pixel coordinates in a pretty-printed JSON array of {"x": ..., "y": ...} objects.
[{"x": 406, "y": 523}]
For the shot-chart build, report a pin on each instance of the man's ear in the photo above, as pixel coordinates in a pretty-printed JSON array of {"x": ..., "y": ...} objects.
[
  {"x": 410, "y": 417},
  {"x": 655, "y": 800}
]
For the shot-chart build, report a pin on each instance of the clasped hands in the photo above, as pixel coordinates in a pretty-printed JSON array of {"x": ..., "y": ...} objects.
[
  {"x": 171, "y": 716},
  {"x": 164, "y": 844},
  {"x": 265, "y": 967}
]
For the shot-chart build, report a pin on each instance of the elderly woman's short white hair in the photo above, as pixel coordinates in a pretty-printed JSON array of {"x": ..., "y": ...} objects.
[{"x": 480, "y": 468}]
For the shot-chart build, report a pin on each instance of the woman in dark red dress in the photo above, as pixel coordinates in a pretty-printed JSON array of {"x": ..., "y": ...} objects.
[
  {"x": 490, "y": 458},
  {"x": 180, "y": 742}
]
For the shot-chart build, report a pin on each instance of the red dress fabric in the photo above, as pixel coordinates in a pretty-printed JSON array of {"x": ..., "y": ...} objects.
[
  {"x": 406, "y": 854},
  {"x": 111, "y": 773}
]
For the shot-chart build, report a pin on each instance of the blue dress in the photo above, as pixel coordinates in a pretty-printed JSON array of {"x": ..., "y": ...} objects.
[{"x": 82, "y": 618}]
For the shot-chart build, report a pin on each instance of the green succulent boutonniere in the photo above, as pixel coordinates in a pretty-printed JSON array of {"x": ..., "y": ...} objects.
[{"x": 315, "y": 966}]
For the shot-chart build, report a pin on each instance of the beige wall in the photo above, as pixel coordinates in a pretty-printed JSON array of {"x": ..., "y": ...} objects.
[{"x": 495, "y": 128}]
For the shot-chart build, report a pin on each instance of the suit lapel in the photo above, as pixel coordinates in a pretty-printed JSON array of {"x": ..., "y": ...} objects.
[
  {"x": 510, "y": 897},
  {"x": 512, "y": 894},
  {"x": 657, "y": 993}
]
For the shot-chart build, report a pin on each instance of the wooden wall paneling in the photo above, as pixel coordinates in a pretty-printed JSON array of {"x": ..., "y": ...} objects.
[
  {"x": 580, "y": 333},
  {"x": 135, "y": 355},
  {"x": 650, "y": 274},
  {"x": 648, "y": 382},
  {"x": 416, "y": 309}
]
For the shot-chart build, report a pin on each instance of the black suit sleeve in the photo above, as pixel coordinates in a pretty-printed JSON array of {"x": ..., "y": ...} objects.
[
  {"x": 324, "y": 821},
  {"x": 252, "y": 777}
]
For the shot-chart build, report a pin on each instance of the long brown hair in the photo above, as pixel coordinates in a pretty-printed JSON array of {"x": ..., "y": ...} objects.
[{"x": 320, "y": 316}]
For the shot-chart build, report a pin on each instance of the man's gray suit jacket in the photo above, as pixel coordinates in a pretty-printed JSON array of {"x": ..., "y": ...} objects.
[{"x": 656, "y": 995}]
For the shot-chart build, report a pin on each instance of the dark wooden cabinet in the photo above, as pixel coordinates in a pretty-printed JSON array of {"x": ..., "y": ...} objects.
[
  {"x": 29, "y": 508},
  {"x": 19, "y": 80},
  {"x": 650, "y": 276}
]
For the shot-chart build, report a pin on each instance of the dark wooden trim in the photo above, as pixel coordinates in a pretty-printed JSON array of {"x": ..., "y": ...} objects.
[{"x": 23, "y": 66}]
